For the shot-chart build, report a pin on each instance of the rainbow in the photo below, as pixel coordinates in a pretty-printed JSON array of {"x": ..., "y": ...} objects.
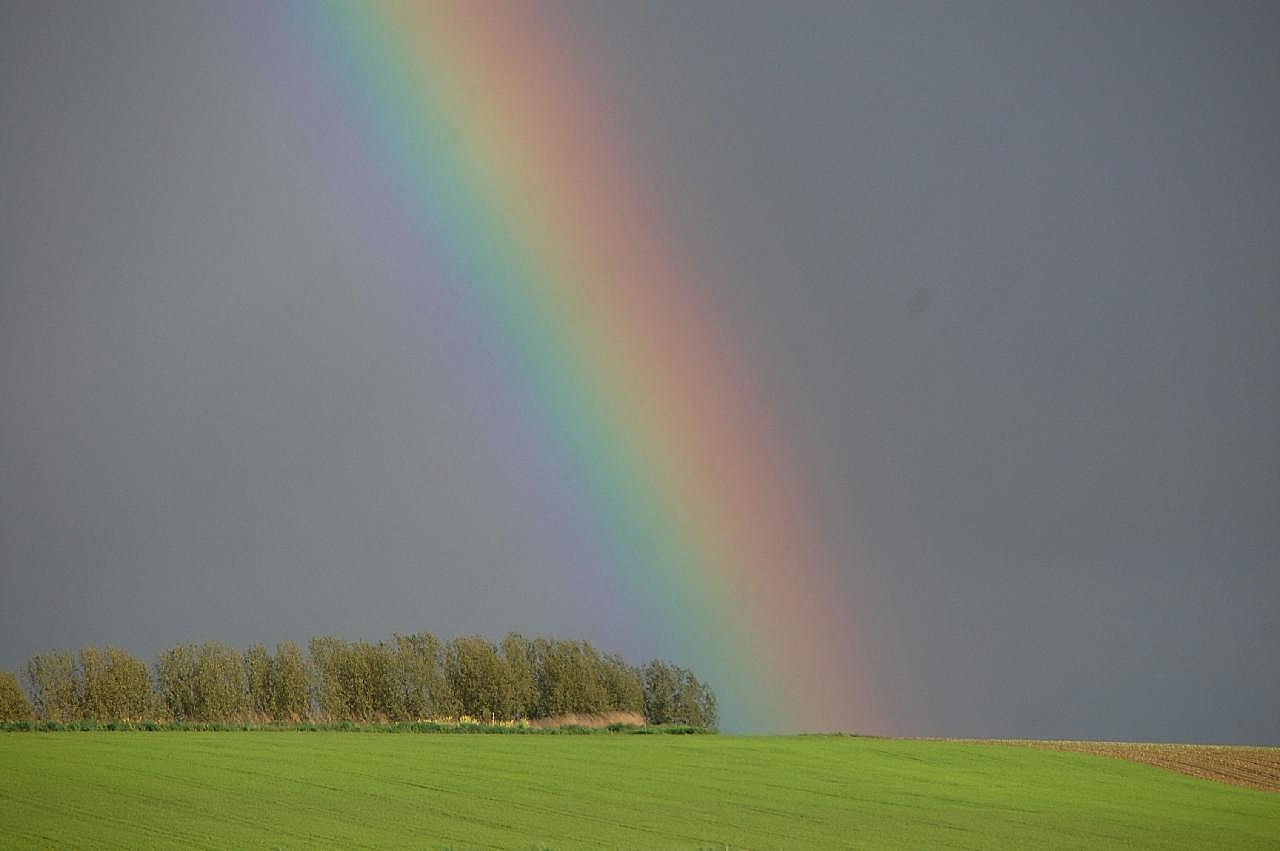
[{"x": 505, "y": 163}]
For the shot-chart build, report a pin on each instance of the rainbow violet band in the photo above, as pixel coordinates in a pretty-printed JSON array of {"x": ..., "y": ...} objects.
[{"x": 505, "y": 156}]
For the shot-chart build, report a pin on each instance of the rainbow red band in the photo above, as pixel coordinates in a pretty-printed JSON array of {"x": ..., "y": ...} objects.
[{"x": 505, "y": 156}]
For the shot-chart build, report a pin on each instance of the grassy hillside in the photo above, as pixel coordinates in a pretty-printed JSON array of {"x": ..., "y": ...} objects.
[{"x": 292, "y": 789}]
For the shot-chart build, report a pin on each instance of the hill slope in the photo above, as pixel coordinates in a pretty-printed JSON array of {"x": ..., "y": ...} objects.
[{"x": 298, "y": 788}]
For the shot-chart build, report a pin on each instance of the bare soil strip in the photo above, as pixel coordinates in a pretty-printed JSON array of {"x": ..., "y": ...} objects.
[
  {"x": 594, "y": 720},
  {"x": 1253, "y": 767}
]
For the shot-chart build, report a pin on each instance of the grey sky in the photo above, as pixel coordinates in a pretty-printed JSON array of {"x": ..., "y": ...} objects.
[{"x": 1015, "y": 269}]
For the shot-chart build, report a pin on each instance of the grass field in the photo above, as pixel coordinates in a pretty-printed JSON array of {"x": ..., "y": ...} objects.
[{"x": 350, "y": 789}]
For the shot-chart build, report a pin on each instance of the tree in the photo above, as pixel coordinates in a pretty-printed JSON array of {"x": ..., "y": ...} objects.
[
  {"x": 14, "y": 705},
  {"x": 369, "y": 670},
  {"x": 55, "y": 685},
  {"x": 257, "y": 671},
  {"x": 660, "y": 685},
  {"x": 412, "y": 677},
  {"x": 328, "y": 687},
  {"x": 357, "y": 682},
  {"x": 518, "y": 658},
  {"x": 695, "y": 702},
  {"x": 290, "y": 683},
  {"x": 568, "y": 678},
  {"x": 422, "y": 688},
  {"x": 220, "y": 683},
  {"x": 115, "y": 685},
  {"x": 175, "y": 673},
  {"x": 623, "y": 685},
  {"x": 478, "y": 678},
  {"x": 132, "y": 683},
  {"x": 203, "y": 682},
  {"x": 673, "y": 695}
]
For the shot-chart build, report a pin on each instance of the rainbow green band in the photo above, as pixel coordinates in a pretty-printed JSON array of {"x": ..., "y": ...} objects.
[{"x": 504, "y": 155}]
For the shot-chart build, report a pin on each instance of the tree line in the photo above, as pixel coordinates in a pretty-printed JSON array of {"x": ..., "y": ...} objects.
[{"x": 410, "y": 678}]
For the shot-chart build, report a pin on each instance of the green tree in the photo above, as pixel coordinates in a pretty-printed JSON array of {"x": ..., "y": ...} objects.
[
  {"x": 423, "y": 690},
  {"x": 14, "y": 705},
  {"x": 175, "y": 675},
  {"x": 478, "y": 678},
  {"x": 290, "y": 683},
  {"x": 96, "y": 700},
  {"x": 673, "y": 695},
  {"x": 369, "y": 671},
  {"x": 412, "y": 677},
  {"x": 660, "y": 685},
  {"x": 568, "y": 677},
  {"x": 695, "y": 703},
  {"x": 203, "y": 682},
  {"x": 518, "y": 658},
  {"x": 329, "y": 688},
  {"x": 55, "y": 685},
  {"x": 623, "y": 685},
  {"x": 257, "y": 672},
  {"x": 221, "y": 686},
  {"x": 115, "y": 685},
  {"x": 132, "y": 682},
  {"x": 220, "y": 682}
]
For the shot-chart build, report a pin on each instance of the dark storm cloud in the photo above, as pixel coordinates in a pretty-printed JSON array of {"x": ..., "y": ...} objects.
[{"x": 1010, "y": 273}]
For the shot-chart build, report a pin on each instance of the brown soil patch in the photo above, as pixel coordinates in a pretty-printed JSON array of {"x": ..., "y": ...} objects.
[{"x": 1254, "y": 767}]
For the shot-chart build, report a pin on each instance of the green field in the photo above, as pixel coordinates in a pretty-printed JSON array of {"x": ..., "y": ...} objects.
[{"x": 292, "y": 789}]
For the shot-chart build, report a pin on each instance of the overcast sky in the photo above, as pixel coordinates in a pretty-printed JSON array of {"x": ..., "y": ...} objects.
[{"x": 1010, "y": 271}]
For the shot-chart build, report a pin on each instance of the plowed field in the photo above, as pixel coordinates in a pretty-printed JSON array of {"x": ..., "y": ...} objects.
[{"x": 1256, "y": 768}]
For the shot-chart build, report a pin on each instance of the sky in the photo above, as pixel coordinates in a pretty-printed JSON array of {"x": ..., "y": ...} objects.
[{"x": 1005, "y": 276}]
